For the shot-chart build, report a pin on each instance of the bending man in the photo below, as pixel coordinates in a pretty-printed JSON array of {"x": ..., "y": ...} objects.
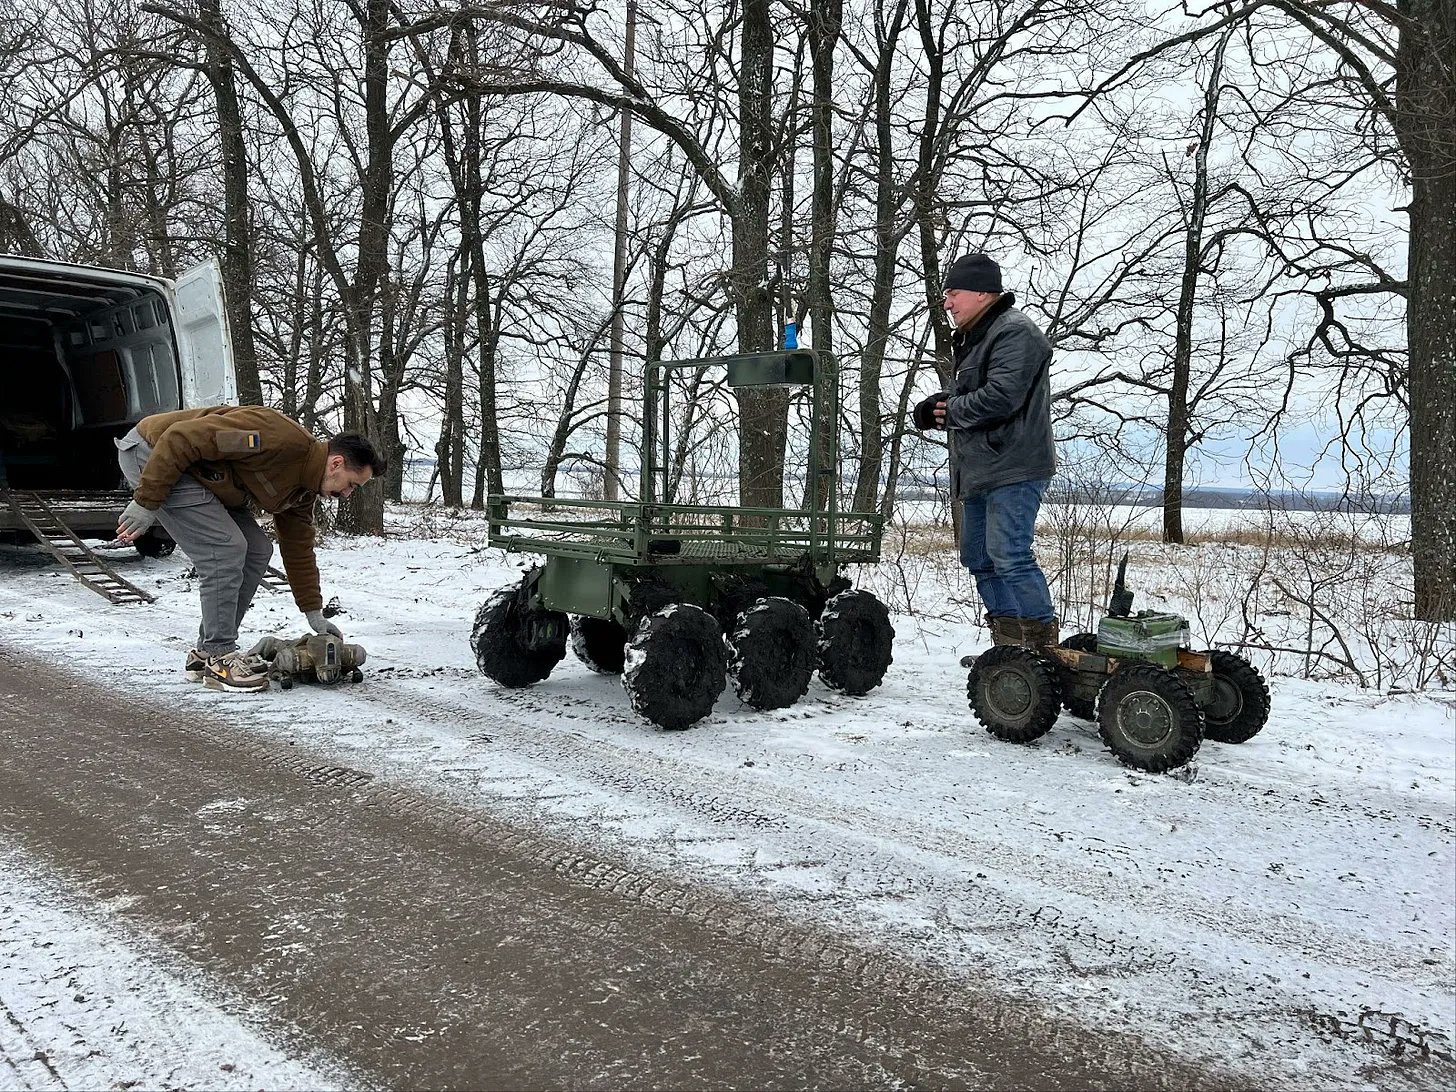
[{"x": 195, "y": 471}]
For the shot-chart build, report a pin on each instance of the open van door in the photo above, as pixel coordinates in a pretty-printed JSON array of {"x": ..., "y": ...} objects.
[{"x": 206, "y": 346}]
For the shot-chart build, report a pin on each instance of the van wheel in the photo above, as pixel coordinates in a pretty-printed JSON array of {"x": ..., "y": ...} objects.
[{"x": 154, "y": 545}]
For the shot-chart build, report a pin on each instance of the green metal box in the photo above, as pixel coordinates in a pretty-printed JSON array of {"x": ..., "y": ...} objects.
[
  {"x": 785, "y": 369},
  {"x": 1147, "y": 635}
]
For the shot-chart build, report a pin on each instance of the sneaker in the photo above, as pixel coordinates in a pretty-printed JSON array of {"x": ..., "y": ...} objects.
[
  {"x": 233, "y": 671},
  {"x": 197, "y": 664}
]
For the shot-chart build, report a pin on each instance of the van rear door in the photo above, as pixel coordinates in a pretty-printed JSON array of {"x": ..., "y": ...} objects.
[{"x": 206, "y": 345}]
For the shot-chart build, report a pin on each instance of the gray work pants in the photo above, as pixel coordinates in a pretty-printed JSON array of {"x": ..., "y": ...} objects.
[{"x": 226, "y": 545}]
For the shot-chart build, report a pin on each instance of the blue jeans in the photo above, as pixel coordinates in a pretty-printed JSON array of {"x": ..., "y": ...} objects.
[{"x": 996, "y": 547}]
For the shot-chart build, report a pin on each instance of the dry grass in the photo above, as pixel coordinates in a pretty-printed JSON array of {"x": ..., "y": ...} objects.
[
  {"x": 1306, "y": 594},
  {"x": 926, "y": 539},
  {"x": 1327, "y": 538}
]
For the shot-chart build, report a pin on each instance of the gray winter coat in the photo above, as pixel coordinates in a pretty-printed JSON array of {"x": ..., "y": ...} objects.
[{"x": 999, "y": 410}]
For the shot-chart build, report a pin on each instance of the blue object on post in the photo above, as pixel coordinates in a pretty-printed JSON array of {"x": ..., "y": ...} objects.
[{"x": 791, "y": 335}]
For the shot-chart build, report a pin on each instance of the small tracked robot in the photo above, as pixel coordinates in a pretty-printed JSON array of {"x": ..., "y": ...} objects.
[{"x": 317, "y": 658}]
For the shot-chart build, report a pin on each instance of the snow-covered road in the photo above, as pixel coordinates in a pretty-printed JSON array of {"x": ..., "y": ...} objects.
[
  {"x": 1283, "y": 908},
  {"x": 82, "y": 1007}
]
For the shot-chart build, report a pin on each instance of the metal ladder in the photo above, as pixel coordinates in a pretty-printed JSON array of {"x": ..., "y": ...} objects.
[
  {"x": 52, "y": 533},
  {"x": 274, "y": 579}
]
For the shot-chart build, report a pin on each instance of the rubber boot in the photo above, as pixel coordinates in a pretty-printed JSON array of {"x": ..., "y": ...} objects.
[
  {"x": 1034, "y": 634},
  {"x": 1005, "y": 631},
  {"x": 1001, "y": 634}
]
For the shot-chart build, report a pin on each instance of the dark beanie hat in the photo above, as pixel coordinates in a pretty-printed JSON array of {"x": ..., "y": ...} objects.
[{"x": 973, "y": 273}]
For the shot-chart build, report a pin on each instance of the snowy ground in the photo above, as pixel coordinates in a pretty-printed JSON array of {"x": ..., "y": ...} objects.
[
  {"x": 1284, "y": 907},
  {"x": 82, "y": 1006}
]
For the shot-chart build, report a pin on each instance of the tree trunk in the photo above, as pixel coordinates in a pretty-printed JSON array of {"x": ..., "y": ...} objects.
[
  {"x": 825, "y": 27},
  {"x": 393, "y": 360},
  {"x": 16, "y": 236},
  {"x": 449, "y": 447},
  {"x": 120, "y": 240},
  {"x": 161, "y": 259},
  {"x": 763, "y": 413},
  {"x": 487, "y": 331},
  {"x": 488, "y": 477},
  {"x": 1176, "y": 431},
  {"x": 317, "y": 347},
  {"x": 1426, "y": 126},
  {"x": 237, "y": 251},
  {"x": 363, "y": 513},
  {"x": 887, "y": 245},
  {"x": 898, "y": 432},
  {"x": 565, "y": 421},
  {"x": 612, "y": 466},
  {"x": 928, "y": 215}
]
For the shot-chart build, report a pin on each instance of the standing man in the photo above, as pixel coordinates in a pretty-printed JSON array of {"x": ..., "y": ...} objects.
[
  {"x": 195, "y": 471},
  {"x": 1002, "y": 455}
]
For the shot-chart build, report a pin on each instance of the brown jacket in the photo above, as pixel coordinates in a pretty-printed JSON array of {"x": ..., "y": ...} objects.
[{"x": 244, "y": 453}]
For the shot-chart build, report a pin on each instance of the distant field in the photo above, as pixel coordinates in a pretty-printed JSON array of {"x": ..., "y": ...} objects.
[{"x": 1136, "y": 523}]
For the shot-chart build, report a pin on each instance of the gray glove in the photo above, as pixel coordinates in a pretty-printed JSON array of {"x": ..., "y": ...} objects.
[
  {"x": 319, "y": 624},
  {"x": 134, "y": 522}
]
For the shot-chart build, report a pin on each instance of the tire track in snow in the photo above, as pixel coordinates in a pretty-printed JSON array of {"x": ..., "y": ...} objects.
[
  {"x": 332, "y": 905},
  {"x": 728, "y": 800},
  {"x": 24, "y": 1056},
  {"x": 836, "y": 849}
]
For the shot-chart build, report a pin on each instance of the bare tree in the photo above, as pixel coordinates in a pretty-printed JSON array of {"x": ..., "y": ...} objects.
[
  {"x": 1396, "y": 61},
  {"x": 237, "y": 248},
  {"x": 574, "y": 62}
]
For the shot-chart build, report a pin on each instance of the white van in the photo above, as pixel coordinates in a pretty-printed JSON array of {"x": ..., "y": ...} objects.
[{"x": 86, "y": 353}]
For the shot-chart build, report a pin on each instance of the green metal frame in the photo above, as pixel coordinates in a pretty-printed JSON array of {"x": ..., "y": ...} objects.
[{"x": 593, "y": 547}]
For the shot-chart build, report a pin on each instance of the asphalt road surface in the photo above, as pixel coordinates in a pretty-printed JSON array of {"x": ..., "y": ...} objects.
[{"x": 427, "y": 945}]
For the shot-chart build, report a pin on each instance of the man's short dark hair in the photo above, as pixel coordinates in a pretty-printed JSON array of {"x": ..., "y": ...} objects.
[{"x": 358, "y": 453}]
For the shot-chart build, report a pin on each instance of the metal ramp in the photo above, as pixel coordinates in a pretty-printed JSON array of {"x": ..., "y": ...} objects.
[
  {"x": 50, "y": 531},
  {"x": 274, "y": 580}
]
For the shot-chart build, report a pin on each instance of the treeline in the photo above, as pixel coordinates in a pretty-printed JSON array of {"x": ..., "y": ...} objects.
[{"x": 1229, "y": 223}]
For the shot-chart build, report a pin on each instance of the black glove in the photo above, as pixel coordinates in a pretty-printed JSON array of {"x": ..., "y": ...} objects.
[{"x": 925, "y": 411}]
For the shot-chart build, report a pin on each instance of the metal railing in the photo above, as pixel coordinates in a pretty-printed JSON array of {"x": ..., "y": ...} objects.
[{"x": 627, "y": 531}]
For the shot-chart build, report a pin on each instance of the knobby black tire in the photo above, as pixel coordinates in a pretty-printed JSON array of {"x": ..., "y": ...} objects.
[
  {"x": 1015, "y": 693},
  {"x": 772, "y": 654},
  {"x": 855, "y": 642},
  {"x": 812, "y": 595},
  {"x": 1240, "y": 702},
  {"x": 600, "y": 643},
  {"x": 1083, "y": 708},
  {"x": 1147, "y": 685},
  {"x": 735, "y": 596},
  {"x": 677, "y": 666},
  {"x": 646, "y": 597},
  {"x": 499, "y": 640}
]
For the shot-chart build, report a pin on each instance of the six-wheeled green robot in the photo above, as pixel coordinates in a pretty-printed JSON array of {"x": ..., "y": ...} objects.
[
  {"x": 677, "y": 598},
  {"x": 1154, "y": 699}
]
